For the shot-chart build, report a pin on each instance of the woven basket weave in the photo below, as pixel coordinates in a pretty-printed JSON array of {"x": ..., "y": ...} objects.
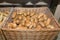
[
  {"x": 43, "y": 34},
  {"x": 1, "y": 36}
]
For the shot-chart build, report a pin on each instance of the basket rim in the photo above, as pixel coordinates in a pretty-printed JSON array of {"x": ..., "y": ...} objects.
[
  {"x": 7, "y": 29},
  {"x": 29, "y": 7}
]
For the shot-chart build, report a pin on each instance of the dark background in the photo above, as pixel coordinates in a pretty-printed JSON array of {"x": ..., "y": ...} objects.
[{"x": 51, "y": 3}]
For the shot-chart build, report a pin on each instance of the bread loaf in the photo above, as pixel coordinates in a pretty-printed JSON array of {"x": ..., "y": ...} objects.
[{"x": 30, "y": 20}]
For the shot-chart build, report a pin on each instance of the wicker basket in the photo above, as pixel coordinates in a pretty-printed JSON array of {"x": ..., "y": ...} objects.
[
  {"x": 43, "y": 34},
  {"x": 3, "y": 9},
  {"x": 1, "y": 36}
]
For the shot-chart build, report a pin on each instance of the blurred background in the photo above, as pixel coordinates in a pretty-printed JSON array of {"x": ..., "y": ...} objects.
[{"x": 52, "y": 4}]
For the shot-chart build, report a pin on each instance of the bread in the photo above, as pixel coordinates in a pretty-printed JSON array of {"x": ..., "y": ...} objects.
[
  {"x": 30, "y": 20},
  {"x": 21, "y": 27},
  {"x": 42, "y": 24},
  {"x": 50, "y": 26},
  {"x": 48, "y": 21},
  {"x": 12, "y": 25},
  {"x": 40, "y": 15},
  {"x": 14, "y": 14},
  {"x": 3, "y": 16},
  {"x": 16, "y": 21}
]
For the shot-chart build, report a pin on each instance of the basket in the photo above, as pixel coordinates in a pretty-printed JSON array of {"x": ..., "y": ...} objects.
[
  {"x": 3, "y": 9},
  {"x": 43, "y": 34}
]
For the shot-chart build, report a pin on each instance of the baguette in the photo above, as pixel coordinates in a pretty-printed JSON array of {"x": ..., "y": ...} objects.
[
  {"x": 48, "y": 21},
  {"x": 14, "y": 14}
]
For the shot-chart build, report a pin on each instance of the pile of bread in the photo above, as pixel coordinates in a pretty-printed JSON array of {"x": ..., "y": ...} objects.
[
  {"x": 3, "y": 16},
  {"x": 29, "y": 20}
]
